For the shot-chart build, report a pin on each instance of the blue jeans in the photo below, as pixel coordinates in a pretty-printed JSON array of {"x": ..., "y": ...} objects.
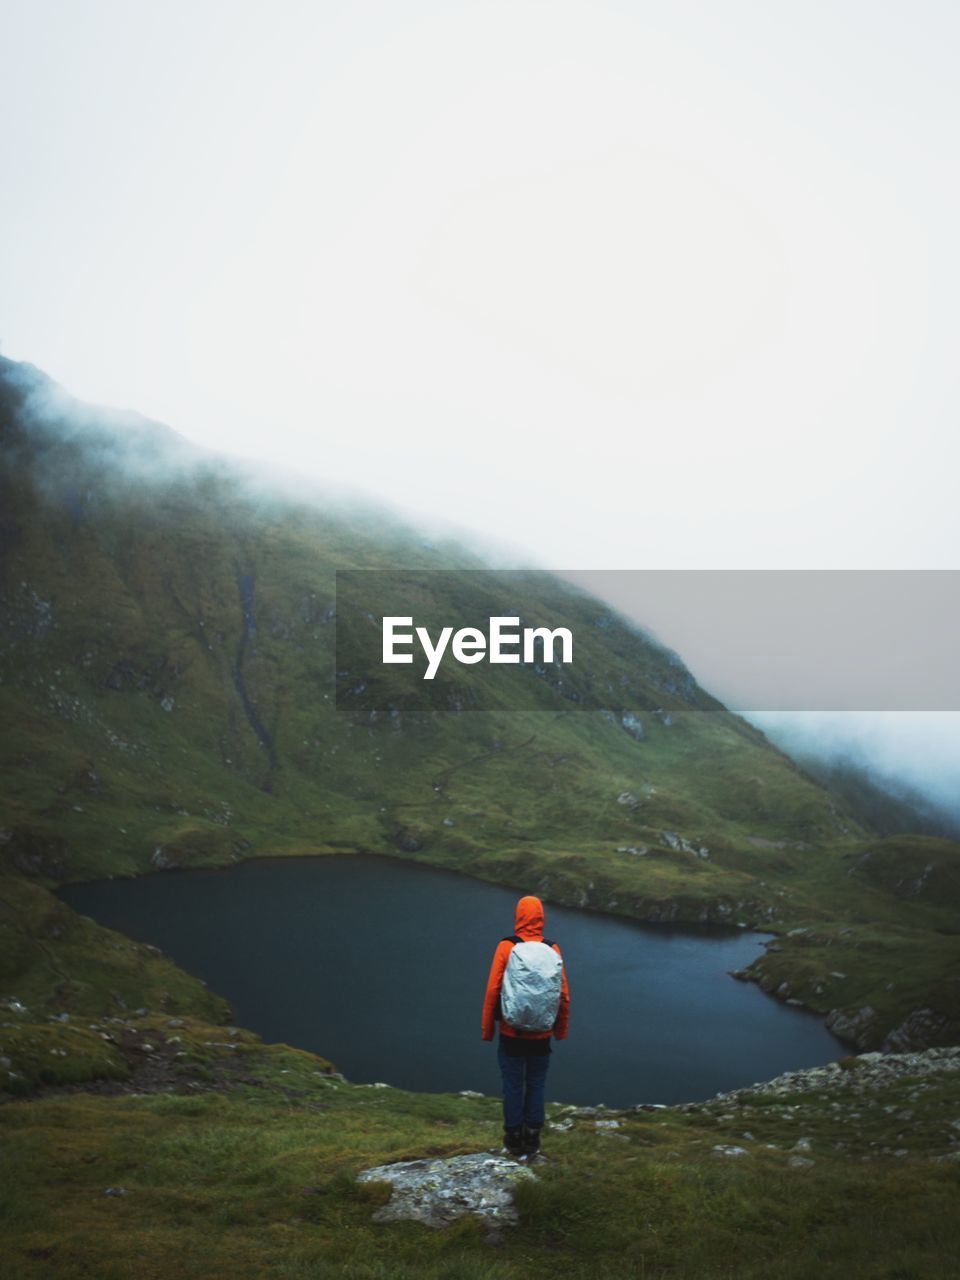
[{"x": 524, "y": 1079}]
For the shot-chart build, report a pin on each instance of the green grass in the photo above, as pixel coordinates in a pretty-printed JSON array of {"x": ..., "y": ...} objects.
[
  {"x": 250, "y": 1183},
  {"x": 54, "y": 960}
]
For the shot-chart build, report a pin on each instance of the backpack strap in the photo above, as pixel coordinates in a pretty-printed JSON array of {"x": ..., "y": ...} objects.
[{"x": 514, "y": 937}]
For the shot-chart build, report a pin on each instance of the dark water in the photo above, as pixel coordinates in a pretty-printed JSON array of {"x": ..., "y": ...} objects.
[{"x": 381, "y": 966}]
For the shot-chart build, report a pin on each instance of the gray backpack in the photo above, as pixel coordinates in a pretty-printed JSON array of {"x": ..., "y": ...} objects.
[{"x": 530, "y": 991}]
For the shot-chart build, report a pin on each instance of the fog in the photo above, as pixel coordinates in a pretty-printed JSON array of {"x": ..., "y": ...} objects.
[
  {"x": 911, "y": 755},
  {"x": 592, "y": 286}
]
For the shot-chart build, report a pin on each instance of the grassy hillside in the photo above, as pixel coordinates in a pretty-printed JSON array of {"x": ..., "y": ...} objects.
[{"x": 168, "y": 687}]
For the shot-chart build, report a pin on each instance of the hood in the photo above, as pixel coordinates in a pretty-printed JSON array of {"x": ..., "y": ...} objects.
[{"x": 528, "y": 918}]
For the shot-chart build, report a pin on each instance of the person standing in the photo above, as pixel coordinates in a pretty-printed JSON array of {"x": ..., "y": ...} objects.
[{"x": 527, "y": 993}]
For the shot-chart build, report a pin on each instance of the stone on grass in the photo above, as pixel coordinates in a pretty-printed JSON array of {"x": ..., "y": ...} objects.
[{"x": 436, "y": 1192}]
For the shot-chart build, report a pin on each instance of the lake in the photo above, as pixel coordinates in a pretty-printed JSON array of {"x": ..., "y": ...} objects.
[{"x": 380, "y": 966}]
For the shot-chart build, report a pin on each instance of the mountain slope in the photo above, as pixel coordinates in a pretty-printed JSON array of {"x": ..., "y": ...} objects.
[
  {"x": 168, "y": 661},
  {"x": 174, "y": 694}
]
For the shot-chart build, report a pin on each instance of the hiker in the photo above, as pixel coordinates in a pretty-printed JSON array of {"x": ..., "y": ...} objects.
[{"x": 527, "y": 993}]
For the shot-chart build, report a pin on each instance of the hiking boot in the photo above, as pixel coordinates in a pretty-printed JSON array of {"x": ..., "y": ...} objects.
[
  {"x": 531, "y": 1141},
  {"x": 513, "y": 1141}
]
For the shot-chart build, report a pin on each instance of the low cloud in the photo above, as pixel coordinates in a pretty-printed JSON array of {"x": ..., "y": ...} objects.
[{"x": 914, "y": 756}]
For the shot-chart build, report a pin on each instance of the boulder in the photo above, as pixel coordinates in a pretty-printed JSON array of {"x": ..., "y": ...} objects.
[
  {"x": 436, "y": 1192},
  {"x": 852, "y": 1025}
]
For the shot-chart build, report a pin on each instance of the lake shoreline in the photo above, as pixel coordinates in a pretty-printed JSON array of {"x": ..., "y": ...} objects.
[{"x": 714, "y": 990}]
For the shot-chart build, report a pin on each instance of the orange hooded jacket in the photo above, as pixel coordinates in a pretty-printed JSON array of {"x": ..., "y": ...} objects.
[{"x": 528, "y": 925}]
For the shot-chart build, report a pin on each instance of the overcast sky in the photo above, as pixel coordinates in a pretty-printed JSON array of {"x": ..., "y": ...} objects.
[{"x": 622, "y": 285}]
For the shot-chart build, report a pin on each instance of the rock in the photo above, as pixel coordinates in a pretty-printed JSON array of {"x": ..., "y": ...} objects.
[
  {"x": 920, "y": 1029},
  {"x": 406, "y": 840},
  {"x": 801, "y": 1144},
  {"x": 470, "y": 1093},
  {"x": 607, "y": 1124},
  {"x": 436, "y": 1192},
  {"x": 724, "y": 1149},
  {"x": 854, "y": 1025},
  {"x": 800, "y": 1162},
  {"x": 633, "y": 726},
  {"x": 865, "y": 1071},
  {"x": 115, "y": 1191},
  {"x": 681, "y": 844}
]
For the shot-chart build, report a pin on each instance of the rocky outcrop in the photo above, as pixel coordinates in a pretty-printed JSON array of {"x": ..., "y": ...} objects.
[
  {"x": 437, "y": 1192},
  {"x": 407, "y": 840},
  {"x": 921, "y": 1028},
  {"x": 34, "y": 853},
  {"x": 856, "y": 1026},
  {"x": 680, "y": 844},
  {"x": 631, "y": 724},
  {"x": 867, "y": 1071}
]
